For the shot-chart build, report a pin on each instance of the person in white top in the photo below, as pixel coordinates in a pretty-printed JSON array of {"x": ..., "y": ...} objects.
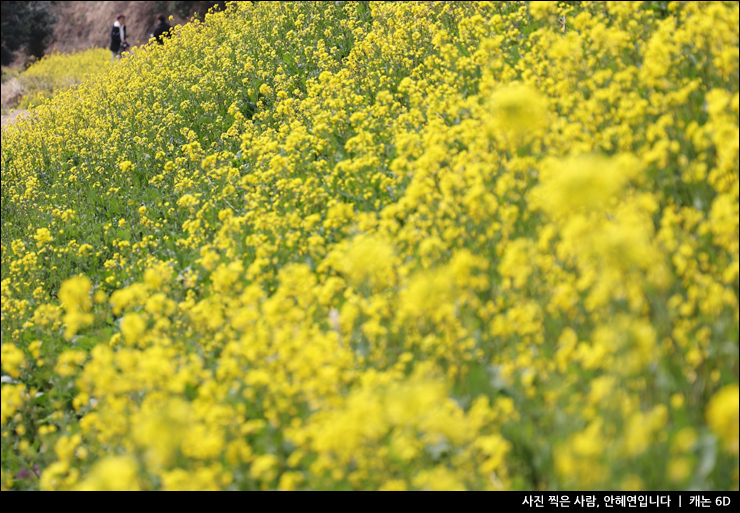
[{"x": 118, "y": 41}]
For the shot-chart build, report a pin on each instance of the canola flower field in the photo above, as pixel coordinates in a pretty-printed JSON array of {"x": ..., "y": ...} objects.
[
  {"x": 56, "y": 72},
  {"x": 396, "y": 246}
]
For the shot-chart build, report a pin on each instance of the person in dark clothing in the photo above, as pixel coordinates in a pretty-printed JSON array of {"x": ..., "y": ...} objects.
[
  {"x": 118, "y": 41},
  {"x": 162, "y": 30}
]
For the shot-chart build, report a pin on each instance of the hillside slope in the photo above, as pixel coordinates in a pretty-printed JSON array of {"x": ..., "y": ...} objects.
[{"x": 84, "y": 25}]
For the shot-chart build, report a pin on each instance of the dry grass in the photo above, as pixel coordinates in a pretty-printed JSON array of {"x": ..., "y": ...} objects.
[{"x": 12, "y": 91}]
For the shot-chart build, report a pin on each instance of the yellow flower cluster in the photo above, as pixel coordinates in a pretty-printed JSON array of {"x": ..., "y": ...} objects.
[
  {"x": 56, "y": 72},
  {"x": 398, "y": 246}
]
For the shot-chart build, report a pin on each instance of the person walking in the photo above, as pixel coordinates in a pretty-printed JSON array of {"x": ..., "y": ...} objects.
[
  {"x": 162, "y": 30},
  {"x": 118, "y": 41}
]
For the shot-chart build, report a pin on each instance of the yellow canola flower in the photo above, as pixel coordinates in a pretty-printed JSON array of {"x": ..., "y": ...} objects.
[
  {"x": 588, "y": 182},
  {"x": 69, "y": 362},
  {"x": 723, "y": 419},
  {"x": 43, "y": 235},
  {"x": 161, "y": 432},
  {"x": 518, "y": 109},
  {"x": 66, "y": 446},
  {"x": 12, "y": 399},
  {"x": 133, "y": 327},
  {"x": 419, "y": 417},
  {"x": 542, "y": 10},
  {"x": 263, "y": 467},
  {"x": 438, "y": 478},
  {"x": 74, "y": 295},
  {"x": 679, "y": 469},
  {"x": 641, "y": 427},
  {"x": 289, "y": 481},
  {"x": 112, "y": 473},
  {"x": 368, "y": 258},
  {"x": 13, "y": 360},
  {"x": 579, "y": 459},
  {"x": 684, "y": 440}
]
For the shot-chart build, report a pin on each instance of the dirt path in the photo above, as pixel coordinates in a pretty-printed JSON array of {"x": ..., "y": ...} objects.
[{"x": 11, "y": 117}]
